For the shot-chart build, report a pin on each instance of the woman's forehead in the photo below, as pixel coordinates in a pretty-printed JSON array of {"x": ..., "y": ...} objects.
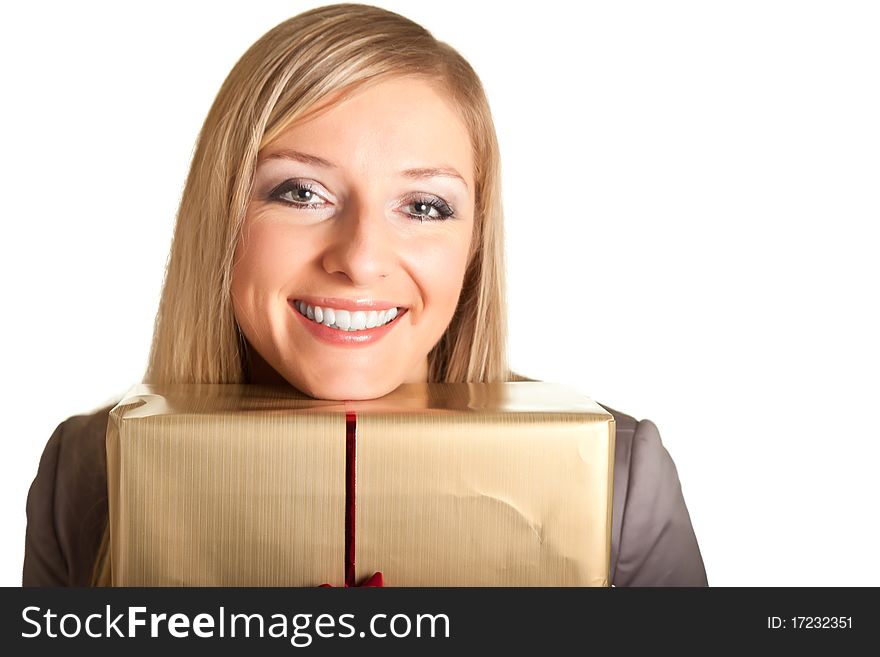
[{"x": 401, "y": 123}]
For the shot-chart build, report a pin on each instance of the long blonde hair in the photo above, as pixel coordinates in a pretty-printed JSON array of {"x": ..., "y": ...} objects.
[{"x": 292, "y": 69}]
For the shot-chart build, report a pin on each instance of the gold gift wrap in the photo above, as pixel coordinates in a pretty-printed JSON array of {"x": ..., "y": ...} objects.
[{"x": 434, "y": 484}]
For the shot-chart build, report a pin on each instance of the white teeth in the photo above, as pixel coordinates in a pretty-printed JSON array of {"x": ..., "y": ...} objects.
[
  {"x": 359, "y": 320},
  {"x": 345, "y": 320}
]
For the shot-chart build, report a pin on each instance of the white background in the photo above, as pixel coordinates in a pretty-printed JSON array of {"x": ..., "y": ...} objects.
[{"x": 691, "y": 193}]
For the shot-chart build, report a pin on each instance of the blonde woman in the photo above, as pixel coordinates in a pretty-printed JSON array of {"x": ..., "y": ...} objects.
[{"x": 341, "y": 232}]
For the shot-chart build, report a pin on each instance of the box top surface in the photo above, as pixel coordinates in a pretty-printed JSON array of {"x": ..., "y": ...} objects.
[{"x": 146, "y": 400}]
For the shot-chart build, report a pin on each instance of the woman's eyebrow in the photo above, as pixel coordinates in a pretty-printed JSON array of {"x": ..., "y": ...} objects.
[
  {"x": 305, "y": 158},
  {"x": 415, "y": 173},
  {"x": 431, "y": 172}
]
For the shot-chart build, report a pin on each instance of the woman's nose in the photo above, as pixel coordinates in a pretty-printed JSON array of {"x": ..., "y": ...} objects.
[{"x": 361, "y": 246}]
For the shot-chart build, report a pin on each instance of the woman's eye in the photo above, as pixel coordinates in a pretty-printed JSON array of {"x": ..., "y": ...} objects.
[
  {"x": 297, "y": 194},
  {"x": 303, "y": 195},
  {"x": 429, "y": 209}
]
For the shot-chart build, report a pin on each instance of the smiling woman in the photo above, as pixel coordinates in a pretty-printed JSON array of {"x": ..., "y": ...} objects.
[
  {"x": 313, "y": 176},
  {"x": 341, "y": 232},
  {"x": 362, "y": 191}
]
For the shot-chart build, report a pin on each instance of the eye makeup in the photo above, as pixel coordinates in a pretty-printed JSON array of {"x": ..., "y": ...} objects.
[{"x": 302, "y": 192}]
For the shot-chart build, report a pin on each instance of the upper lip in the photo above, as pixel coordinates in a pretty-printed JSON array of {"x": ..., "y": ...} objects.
[{"x": 349, "y": 304}]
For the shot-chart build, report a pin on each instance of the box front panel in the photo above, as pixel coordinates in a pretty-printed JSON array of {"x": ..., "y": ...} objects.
[
  {"x": 488, "y": 499},
  {"x": 246, "y": 499}
]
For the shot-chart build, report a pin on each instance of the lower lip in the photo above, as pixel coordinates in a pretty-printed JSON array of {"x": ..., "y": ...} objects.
[{"x": 342, "y": 338}]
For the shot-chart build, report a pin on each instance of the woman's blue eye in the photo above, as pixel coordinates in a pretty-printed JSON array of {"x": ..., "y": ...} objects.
[{"x": 302, "y": 195}]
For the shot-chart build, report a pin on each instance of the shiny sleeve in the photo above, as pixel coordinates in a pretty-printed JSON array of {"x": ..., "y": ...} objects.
[
  {"x": 658, "y": 546},
  {"x": 44, "y": 562}
]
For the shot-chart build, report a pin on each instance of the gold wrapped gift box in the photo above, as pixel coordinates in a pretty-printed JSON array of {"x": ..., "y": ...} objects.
[{"x": 435, "y": 484}]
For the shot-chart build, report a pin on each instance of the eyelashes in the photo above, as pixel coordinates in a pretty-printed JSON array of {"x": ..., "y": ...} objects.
[
  {"x": 301, "y": 195},
  {"x": 297, "y": 188}
]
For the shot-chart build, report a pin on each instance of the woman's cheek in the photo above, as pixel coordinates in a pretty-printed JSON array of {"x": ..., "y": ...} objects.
[
  {"x": 441, "y": 267},
  {"x": 261, "y": 273},
  {"x": 269, "y": 254}
]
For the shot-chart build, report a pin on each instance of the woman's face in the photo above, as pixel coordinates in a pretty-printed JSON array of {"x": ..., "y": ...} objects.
[{"x": 366, "y": 206}]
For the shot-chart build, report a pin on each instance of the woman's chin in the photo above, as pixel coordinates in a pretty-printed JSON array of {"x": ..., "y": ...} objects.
[{"x": 348, "y": 390}]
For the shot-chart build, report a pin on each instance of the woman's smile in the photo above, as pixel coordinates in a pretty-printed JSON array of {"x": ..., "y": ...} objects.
[{"x": 347, "y": 328}]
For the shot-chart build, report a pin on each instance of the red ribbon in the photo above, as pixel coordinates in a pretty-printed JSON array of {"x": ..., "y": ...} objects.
[
  {"x": 374, "y": 580},
  {"x": 350, "y": 454}
]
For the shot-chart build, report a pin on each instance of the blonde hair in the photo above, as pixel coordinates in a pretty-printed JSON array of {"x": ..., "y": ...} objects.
[{"x": 302, "y": 64}]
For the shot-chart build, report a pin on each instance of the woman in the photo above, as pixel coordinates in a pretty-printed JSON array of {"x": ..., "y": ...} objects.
[{"x": 347, "y": 175}]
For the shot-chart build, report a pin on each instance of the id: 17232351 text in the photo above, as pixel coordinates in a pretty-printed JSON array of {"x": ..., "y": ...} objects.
[{"x": 809, "y": 623}]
